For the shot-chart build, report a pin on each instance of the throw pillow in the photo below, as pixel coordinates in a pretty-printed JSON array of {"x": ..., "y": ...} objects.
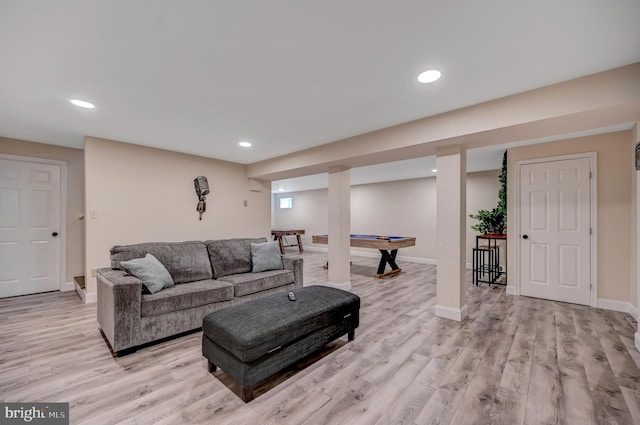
[
  {"x": 265, "y": 256},
  {"x": 150, "y": 271}
]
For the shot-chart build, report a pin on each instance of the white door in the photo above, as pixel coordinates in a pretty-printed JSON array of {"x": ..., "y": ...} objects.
[
  {"x": 29, "y": 226},
  {"x": 555, "y": 223}
]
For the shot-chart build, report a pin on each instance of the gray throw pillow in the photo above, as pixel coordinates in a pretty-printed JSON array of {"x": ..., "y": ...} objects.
[
  {"x": 150, "y": 271},
  {"x": 265, "y": 256}
]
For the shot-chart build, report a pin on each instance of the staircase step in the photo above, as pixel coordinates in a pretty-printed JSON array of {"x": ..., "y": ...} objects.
[{"x": 79, "y": 280}]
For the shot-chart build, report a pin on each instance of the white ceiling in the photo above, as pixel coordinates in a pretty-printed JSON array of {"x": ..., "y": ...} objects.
[{"x": 200, "y": 76}]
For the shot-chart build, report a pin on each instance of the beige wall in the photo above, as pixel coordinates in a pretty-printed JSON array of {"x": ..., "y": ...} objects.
[
  {"x": 75, "y": 194},
  {"x": 403, "y": 208},
  {"x": 614, "y": 205},
  {"x": 400, "y": 208},
  {"x": 143, "y": 194},
  {"x": 309, "y": 213}
]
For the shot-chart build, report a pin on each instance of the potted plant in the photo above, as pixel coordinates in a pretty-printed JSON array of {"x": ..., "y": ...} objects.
[
  {"x": 494, "y": 221},
  {"x": 490, "y": 222}
]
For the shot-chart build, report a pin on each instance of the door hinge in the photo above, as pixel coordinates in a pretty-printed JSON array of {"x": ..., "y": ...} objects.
[
  {"x": 591, "y": 231},
  {"x": 590, "y": 175}
]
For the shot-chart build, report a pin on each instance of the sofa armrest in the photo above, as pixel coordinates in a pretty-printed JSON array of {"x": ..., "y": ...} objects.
[
  {"x": 294, "y": 264},
  {"x": 119, "y": 306}
]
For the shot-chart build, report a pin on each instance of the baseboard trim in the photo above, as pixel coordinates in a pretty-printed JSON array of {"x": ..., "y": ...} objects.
[
  {"x": 418, "y": 260},
  {"x": 511, "y": 290},
  {"x": 315, "y": 249},
  {"x": 621, "y": 306},
  {"x": 457, "y": 314},
  {"x": 90, "y": 297},
  {"x": 67, "y": 286},
  {"x": 399, "y": 257}
]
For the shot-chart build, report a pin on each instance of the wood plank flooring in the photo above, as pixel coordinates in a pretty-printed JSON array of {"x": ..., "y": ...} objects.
[{"x": 514, "y": 360}]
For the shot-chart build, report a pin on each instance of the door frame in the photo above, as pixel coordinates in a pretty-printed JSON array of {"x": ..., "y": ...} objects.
[
  {"x": 593, "y": 214},
  {"x": 64, "y": 285}
]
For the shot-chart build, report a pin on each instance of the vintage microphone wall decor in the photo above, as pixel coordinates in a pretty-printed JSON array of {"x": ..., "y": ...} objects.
[{"x": 202, "y": 190}]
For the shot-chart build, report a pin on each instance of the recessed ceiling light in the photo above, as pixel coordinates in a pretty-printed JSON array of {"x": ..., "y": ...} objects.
[
  {"x": 429, "y": 76},
  {"x": 281, "y": 190},
  {"x": 82, "y": 103},
  {"x": 434, "y": 171},
  {"x": 245, "y": 144}
]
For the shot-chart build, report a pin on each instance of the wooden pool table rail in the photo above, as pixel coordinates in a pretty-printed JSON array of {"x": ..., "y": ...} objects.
[
  {"x": 371, "y": 243},
  {"x": 388, "y": 248}
]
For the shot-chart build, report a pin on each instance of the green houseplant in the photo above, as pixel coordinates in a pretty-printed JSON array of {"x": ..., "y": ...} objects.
[
  {"x": 490, "y": 221},
  {"x": 494, "y": 221}
]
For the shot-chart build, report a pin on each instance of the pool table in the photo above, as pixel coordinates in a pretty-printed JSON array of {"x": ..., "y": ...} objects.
[{"x": 387, "y": 245}]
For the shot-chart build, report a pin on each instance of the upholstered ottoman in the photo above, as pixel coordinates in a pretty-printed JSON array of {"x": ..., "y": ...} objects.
[{"x": 254, "y": 340}]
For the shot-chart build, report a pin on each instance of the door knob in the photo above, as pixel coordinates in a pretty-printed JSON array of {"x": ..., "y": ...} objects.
[
  {"x": 54, "y": 234},
  {"x": 525, "y": 236}
]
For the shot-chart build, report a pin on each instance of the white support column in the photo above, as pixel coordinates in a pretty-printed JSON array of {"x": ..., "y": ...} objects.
[
  {"x": 339, "y": 228},
  {"x": 451, "y": 192}
]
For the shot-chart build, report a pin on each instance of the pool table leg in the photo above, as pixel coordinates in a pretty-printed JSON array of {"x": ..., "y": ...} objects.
[{"x": 388, "y": 258}]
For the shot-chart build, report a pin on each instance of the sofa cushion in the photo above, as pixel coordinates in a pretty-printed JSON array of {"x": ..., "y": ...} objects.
[
  {"x": 150, "y": 271},
  {"x": 265, "y": 256},
  {"x": 250, "y": 283},
  {"x": 187, "y": 295},
  {"x": 185, "y": 261},
  {"x": 231, "y": 256}
]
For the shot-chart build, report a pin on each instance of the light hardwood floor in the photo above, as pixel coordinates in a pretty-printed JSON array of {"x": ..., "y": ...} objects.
[{"x": 514, "y": 360}]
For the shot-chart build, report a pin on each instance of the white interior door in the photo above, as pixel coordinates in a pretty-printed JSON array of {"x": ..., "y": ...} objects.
[
  {"x": 555, "y": 227},
  {"x": 29, "y": 226}
]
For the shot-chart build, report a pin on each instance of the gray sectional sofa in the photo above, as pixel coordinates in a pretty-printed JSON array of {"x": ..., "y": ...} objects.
[{"x": 208, "y": 276}]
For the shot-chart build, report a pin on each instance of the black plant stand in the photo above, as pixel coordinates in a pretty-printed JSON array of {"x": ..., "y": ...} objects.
[{"x": 486, "y": 260}]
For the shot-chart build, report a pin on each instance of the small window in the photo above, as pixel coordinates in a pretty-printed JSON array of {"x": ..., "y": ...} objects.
[{"x": 286, "y": 202}]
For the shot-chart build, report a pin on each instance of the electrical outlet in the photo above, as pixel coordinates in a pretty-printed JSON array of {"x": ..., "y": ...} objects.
[
  {"x": 93, "y": 214},
  {"x": 245, "y": 203}
]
